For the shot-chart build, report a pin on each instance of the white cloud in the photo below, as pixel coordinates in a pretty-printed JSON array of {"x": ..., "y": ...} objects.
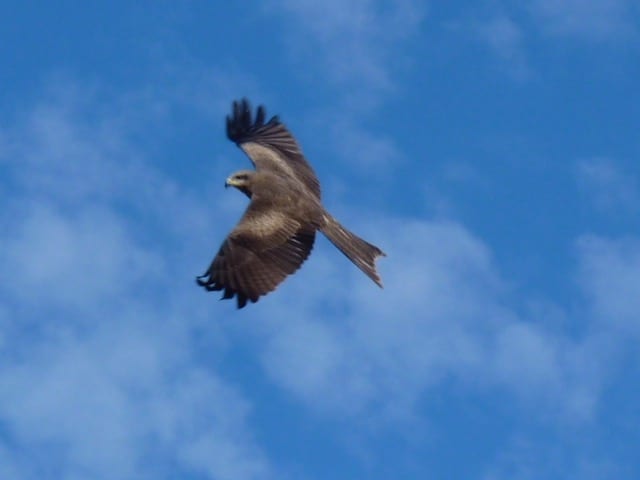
[
  {"x": 9, "y": 463},
  {"x": 355, "y": 48},
  {"x": 362, "y": 149},
  {"x": 355, "y": 41},
  {"x": 504, "y": 37},
  {"x": 590, "y": 19},
  {"x": 610, "y": 275},
  {"x": 106, "y": 400},
  {"x": 442, "y": 316},
  {"x": 83, "y": 259},
  {"x": 526, "y": 458},
  {"x": 100, "y": 377},
  {"x": 608, "y": 185}
]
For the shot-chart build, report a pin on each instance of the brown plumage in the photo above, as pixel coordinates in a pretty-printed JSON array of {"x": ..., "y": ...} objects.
[{"x": 276, "y": 233}]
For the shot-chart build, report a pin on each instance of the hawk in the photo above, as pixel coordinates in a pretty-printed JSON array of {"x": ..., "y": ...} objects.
[{"x": 277, "y": 231}]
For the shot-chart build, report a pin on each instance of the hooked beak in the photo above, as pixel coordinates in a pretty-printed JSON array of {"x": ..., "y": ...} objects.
[{"x": 228, "y": 182}]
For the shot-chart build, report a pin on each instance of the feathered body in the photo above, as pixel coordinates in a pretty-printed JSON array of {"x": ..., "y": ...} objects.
[{"x": 277, "y": 231}]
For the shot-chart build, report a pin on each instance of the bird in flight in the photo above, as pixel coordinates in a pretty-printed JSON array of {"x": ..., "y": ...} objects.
[{"x": 277, "y": 231}]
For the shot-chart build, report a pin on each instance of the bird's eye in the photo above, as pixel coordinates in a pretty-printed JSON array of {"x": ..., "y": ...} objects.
[{"x": 242, "y": 176}]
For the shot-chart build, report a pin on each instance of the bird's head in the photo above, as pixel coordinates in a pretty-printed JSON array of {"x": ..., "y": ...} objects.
[{"x": 241, "y": 180}]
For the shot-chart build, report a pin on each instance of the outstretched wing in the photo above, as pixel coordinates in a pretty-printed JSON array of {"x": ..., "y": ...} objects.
[
  {"x": 269, "y": 145},
  {"x": 258, "y": 254}
]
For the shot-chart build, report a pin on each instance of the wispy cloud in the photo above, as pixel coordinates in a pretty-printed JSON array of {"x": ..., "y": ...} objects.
[
  {"x": 353, "y": 44},
  {"x": 610, "y": 276},
  {"x": 504, "y": 37},
  {"x": 587, "y": 19},
  {"x": 105, "y": 400},
  {"x": 608, "y": 185},
  {"x": 362, "y": 149},
  {"x": 528, "y": 459},
  {"x": 354, "y": 49},
  {"x": 82, "y": 259},
  {"x": 441, "y": 317},
  {"x": 99, "y": 373},
  {"x": 499, "y": 33}
]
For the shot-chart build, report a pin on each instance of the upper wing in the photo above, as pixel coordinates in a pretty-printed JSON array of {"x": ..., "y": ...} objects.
[
  {"x": 269, "y": 145},
  {"x": 258, "y": 254}
]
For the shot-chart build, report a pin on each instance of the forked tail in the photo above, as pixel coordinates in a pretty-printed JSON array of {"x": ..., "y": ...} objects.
[{"x": 359, "y": 251}]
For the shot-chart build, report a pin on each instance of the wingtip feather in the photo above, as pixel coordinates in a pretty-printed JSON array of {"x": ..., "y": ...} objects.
[{"x": 241, "y": 124}]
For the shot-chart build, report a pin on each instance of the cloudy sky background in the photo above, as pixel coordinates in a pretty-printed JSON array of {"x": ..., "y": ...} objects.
[{"x": 490, "y": 148}]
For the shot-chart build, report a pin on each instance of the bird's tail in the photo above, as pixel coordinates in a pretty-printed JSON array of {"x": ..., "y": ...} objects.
[{"x": 359, "y": 251}]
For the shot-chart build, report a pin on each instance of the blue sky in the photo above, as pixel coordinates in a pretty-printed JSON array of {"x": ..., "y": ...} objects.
[{"x": 490, "y": 148}]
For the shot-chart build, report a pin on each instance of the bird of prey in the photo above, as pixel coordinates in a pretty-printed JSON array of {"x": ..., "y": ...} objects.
[{"x": 276, "y": 233}]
